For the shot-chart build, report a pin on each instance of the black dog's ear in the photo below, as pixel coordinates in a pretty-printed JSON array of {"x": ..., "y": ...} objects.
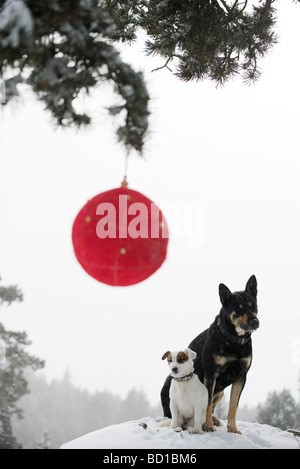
[
  {"x": 251, "y": 286},
  {"x": 224, "y": 293}
]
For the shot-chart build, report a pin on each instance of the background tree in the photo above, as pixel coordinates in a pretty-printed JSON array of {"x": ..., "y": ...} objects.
[
  {"x": 65, "y": 47},
  {"x": 45, "y": 442},
  {"x": 64, "y": 411},
  {"x": 62, "y": 48},
  {"x": 134, "y": 406},
  {"x": 280, "y": 410},
  {"x": 214, "y": 39},
  {"x": 13, "y": 384}
]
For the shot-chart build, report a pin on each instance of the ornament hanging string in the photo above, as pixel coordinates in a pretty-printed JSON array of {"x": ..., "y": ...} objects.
[{"x": 124, "y": 182}]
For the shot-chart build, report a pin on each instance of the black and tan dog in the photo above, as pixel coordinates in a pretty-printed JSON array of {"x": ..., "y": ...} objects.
[{"x": 224, "y": 353}]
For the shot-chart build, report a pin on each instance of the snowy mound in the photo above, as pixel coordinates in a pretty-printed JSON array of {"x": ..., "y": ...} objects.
[{"x": 145, "y": 434}]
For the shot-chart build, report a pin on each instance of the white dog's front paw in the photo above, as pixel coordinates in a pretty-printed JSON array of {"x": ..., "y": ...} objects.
[
  {"x": 193, "y": 430},
  {"x": 178, "y": 429}
]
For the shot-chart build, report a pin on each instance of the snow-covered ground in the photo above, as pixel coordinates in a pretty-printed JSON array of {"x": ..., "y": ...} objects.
[{"x": 145, "y": 434}]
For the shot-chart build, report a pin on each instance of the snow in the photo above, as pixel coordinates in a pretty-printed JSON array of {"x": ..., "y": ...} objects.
[{"x": 145, "y": 434}]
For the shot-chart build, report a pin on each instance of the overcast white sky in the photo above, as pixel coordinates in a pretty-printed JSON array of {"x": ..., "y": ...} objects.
[{"x": 227, "y": 158}]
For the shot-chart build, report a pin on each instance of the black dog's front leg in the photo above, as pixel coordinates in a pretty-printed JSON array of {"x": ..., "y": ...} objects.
[
  {"x": 235, "y": 394},
  {"x": 165, "y": 397},
  {"x": 210, "y": 383}
]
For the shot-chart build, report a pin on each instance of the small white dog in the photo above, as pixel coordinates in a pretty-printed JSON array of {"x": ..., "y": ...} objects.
[{"x": 188, "y": 396}]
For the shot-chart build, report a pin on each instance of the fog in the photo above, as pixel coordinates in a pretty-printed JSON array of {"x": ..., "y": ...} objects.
[{"x": 222, "y": 163}]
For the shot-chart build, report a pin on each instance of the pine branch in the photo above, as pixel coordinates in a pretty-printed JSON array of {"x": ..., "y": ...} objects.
[
  {"x": 163, "y": 66},
  {"x": 209, "y": 39},
  {"x": 62, "y": 49}
]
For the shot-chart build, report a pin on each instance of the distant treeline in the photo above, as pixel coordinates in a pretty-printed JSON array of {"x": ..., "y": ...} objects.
[{"x": 57, "y": 412}]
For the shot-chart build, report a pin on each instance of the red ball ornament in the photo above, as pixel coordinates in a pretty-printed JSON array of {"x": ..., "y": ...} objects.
[{"x": 120, "y": 237}]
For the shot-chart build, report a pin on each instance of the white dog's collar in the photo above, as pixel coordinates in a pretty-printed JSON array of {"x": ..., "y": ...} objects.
[{"x": 184, "y": 378}]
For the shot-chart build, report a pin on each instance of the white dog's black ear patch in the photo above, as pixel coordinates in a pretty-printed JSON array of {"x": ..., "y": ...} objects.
[
  {"x": 165, "y": 355},
  {"x": 182, "y": 357}
]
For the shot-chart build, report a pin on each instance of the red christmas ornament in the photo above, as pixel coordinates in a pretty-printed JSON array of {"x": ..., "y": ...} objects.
[{"x": 120, "y": 237}]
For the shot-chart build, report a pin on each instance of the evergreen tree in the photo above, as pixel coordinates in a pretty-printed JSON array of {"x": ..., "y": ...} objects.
[
  {"x": 214, "y": 39},
  {"x": 280, "y": 410},
  {"x": 66, "y": 412},
  {"x": 134, "y": 406},
  {"x": 64, "y": 47},
  {"x": 45, "y": 442},
  {"x": 13, "y": 384}
]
